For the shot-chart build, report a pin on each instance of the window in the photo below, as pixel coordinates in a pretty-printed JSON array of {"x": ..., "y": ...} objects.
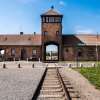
[
  {"x": 34, "y": 52},
  {"x": 47, "y": 19},
  {"x": 80, "y": 53},
  {"x": 2, "y": 52},
  {"x": 43, "y": 19},
  {"x": 45, "y": 32},
  {"x": 57, "y": 32},
  {"x": 51, "y": 19},
  {"x": 13, "y": 52},
  {"x": 91, "y": 52},
  {"x": 57, "y": 19}
]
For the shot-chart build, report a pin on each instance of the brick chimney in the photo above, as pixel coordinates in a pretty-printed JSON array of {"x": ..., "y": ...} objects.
[{"x": 21, "y": 33}]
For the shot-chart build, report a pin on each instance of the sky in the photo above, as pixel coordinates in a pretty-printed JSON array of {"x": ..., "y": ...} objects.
[
  {"x": 80, "y": 16},
  {"x": 51, "y": 47}
]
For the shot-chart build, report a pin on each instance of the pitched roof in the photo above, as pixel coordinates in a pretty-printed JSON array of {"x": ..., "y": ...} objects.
[
  {"x": 27, "y": 40},
  {"x": 82, "y": 39},
  {"x": 51, "y": 12},
  {"x": 35, "y": 40}
]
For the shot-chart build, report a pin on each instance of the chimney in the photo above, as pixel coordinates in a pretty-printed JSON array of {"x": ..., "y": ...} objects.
[
  {"x": 21, "y": 33},
  {"x": 34, "y": 33}
]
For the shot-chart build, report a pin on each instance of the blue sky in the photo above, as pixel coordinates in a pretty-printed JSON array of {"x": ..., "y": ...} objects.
[
  {"x": 80, "y": 16},
  {"x": 50, "y": 48}
]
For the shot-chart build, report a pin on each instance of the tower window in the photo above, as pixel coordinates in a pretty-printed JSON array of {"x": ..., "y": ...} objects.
[
  {"x": 57, "y": 19},
  {"x": 47, "y": 19},
  {"x": 57, "y": 32},
  {"x": 51, "y": 19},
  {"x": 43, "y": 19}
]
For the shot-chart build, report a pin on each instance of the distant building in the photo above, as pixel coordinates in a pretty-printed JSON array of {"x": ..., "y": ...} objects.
[{"x": 33, "y": 47}]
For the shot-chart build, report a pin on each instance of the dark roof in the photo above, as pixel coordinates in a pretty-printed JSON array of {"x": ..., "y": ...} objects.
[
  {"x": 27, "y": 40},
  {"x": 51, "y": 12},
  {"x": 81, "y": 39}
]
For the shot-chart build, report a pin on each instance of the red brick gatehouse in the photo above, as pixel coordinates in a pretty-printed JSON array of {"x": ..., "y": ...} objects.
[{"x": 84, "y": 47}]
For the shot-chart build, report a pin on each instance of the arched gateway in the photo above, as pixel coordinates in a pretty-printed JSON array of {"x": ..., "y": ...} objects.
[
  {"x": 51, "y": 51},
  {"x": 51, "y": 25}
]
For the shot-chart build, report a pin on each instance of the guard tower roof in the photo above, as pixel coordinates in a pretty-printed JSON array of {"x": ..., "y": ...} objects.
[{"x": 51, "y": 12}]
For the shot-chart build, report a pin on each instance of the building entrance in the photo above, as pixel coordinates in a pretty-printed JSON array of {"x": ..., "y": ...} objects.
[
  {"x": 51, "y": 52},
  {"x": 23, "y": 54}
]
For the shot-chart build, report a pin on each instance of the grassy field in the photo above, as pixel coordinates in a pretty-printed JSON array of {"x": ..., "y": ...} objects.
[{"x": 92, "y": 74}]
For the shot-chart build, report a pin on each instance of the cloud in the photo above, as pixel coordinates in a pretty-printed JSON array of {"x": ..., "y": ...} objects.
[
  {"x": 25, "y": 1},
  {"x": 61, "y": 3},
  {"x": 85, "y": 31},
  {"x": 82, "y": 30}
]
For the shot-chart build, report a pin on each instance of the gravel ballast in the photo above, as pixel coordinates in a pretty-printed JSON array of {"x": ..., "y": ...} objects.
[
  {"x": 19, "y": 84},
  {"x": 86, "y": 89}
]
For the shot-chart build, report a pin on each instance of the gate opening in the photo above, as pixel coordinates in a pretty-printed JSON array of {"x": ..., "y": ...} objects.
[{"x": 52, "y": 52}]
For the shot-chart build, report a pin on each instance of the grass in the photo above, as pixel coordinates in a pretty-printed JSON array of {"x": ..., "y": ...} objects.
[{"x": 92, "y": 74}]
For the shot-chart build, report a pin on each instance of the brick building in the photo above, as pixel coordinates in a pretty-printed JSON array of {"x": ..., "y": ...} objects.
[{"x": 34, "y": 47}]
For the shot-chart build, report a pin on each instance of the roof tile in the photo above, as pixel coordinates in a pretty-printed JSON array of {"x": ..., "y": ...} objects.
[{"x": 20, "y": 40}]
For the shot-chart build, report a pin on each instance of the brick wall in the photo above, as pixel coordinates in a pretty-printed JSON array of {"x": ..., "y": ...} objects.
[
  {"x": 86, "y": 53},
  {"x": 28, "y": 52}
]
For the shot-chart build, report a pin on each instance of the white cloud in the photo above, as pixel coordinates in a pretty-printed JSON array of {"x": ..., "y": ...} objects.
[
  {"x": 25, "y": 1},
  {"x": 61, "y": 3},
  {"x": 83, "y": 30}
]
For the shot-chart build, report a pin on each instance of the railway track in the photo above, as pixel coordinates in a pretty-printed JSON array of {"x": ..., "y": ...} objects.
[{"x": 56, "y": 87}]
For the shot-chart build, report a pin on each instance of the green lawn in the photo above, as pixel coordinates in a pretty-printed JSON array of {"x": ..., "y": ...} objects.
[{"x": 92, "y": 74}]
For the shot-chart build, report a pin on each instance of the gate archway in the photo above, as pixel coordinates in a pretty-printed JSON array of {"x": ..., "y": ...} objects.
[{"x": 51, "y": 52}]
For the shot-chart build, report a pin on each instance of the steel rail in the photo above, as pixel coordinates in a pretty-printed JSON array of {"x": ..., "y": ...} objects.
[{"x": 67, "y": 95}]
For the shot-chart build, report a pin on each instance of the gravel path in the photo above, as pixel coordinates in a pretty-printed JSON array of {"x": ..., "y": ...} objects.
[
  {"x": 19, "y": 84},
  {"x": 87, "y": 91}
]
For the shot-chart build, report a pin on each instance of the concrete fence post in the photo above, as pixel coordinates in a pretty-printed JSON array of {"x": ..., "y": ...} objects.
[
  {"x": 19, "y": 66},
  {"x": 14, "y": 59},
  {"x": 70, "y": 65},
  {"x": 93, "y": 65},
  {"x": 32, "y": 65},
  {"x": 27, "y": 60},
  {"x": 81, "y": 65},
  {"x": 4, "y": 66}
]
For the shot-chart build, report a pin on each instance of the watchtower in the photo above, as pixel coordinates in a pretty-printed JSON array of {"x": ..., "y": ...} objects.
[{"x": 51, "y": 27}]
